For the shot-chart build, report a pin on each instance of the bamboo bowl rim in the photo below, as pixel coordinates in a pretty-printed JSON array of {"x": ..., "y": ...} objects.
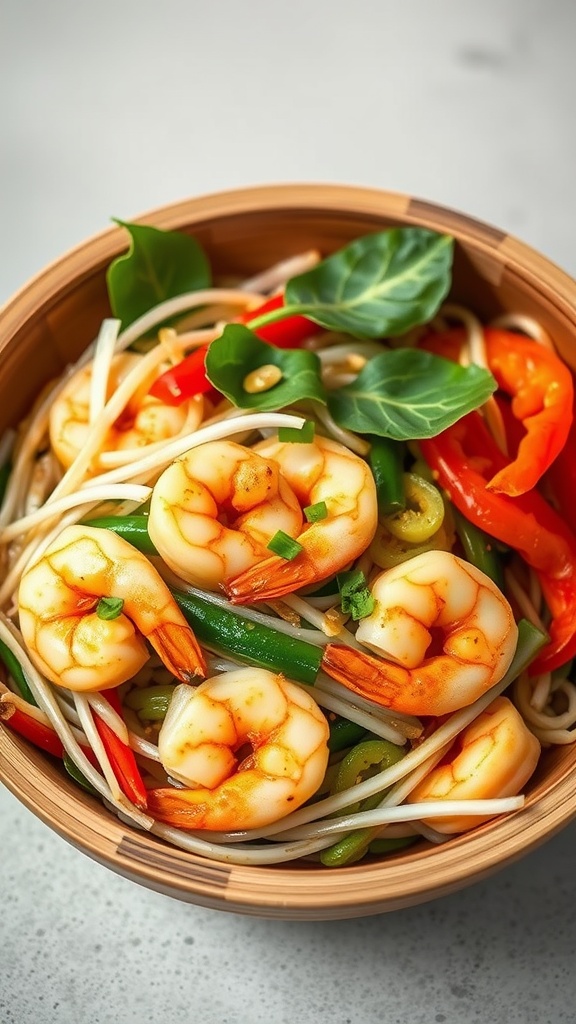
[{"x": 292, "y": 891}]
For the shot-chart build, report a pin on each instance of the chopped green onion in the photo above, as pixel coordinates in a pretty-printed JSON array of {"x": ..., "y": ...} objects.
[
  {"x": 284, "y": 545},
  {"x": 355, "y": 596},
  {"x": 314, "y": 513},
  {"x": 300, "y": 435},
  {"x": 109, "y": 607}
]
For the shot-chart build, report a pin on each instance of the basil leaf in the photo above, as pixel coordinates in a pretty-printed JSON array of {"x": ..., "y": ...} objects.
[
  {"x": 238, "y": 352},
  {"x": 408, "y": 394},
  {"x": 159, "y": 265},
  {"x": 381, "y": 284}
]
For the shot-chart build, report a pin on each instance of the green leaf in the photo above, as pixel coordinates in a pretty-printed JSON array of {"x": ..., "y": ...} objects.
[
  {"x": 408, "y": 394},
  {"x": 380, "y": 285},
  {"x": 238, "y": 352},
  {"x": 159, "y": 265}
]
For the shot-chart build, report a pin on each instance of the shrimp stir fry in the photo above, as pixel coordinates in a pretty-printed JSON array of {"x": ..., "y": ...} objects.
[
  {"x": 444, "y": 632},
  {"x": 214, "y": 510},
  {"x": 494, "y": 757},
  {"x": 144, "y": 421},
  {"x": 323, "y": 471},
  {"x": 250, "y": 745},
  {"x": 290, "y": 601},
  {"x": 78, "y": 645}
]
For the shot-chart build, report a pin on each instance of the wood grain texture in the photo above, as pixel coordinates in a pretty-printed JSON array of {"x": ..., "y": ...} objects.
[{"x": 56, "y": 315}]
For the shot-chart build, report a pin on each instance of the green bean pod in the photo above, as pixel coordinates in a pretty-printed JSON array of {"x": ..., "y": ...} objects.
[
  {"x": 252, "y": 643},
  {"x": 343, "y": 734},
  {"x": 385, "y": 459},
  {"x": 17, "y": 673},
  {"x": 480, "y": 549},
  {"x": 133, "y": 528}
]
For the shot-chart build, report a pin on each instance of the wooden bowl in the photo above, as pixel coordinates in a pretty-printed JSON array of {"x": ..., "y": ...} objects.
[{"x": 57, "y": 314}]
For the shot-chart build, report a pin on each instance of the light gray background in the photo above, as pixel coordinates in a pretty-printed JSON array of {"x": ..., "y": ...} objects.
[{"x": 116, "y": 107}]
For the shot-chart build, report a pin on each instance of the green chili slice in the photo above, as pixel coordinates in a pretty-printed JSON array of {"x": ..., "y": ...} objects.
[
  {"x": 150, "y": 702},
  {"x": 423, "y": 513}
]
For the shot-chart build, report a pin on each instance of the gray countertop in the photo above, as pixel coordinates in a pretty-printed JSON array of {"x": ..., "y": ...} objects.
[{"x": 114, "y": 108}]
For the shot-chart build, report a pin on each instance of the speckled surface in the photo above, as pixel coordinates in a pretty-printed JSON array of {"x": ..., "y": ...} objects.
[{"x": 120, "y": 107}]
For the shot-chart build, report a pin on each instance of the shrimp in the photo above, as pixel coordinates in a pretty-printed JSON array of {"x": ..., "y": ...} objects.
[
  {"x": 494, "y": 757},
  {"x": 69, "y": 641},
  {"x": 145, "y": 419},
  {"x": 251, "y": 745},
  {"x": 323, "y": 471},
  {"x": 438, "y": 602},
  {"x": 214, "y": 510}
]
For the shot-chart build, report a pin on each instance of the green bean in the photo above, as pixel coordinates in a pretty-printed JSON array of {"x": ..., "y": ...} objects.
[
  {"x": 150, "y": 702},
  {"x": 344, "y": 734},
  {"x": 479, "y": 548},
  {"x": 75, "y": 773},
  {"x": 250, "y": 642},
  {"x": 386, "y": 462},
  {"x": 133, "y": 528},
  {"x": 17, "y": 673}
]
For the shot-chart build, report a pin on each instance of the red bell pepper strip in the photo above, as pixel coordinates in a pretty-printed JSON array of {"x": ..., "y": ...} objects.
[
  {"x": 12, "y": 711},
  {"x": 121, "y": 757},
  {"x": 289, "y": 332},
  {"x": 540, "y": 385},
  {"x": 41, "y": 735},
  {"x": 561, "y": 478},
  {"x": 188, "y": 378},
  {"x": 542, "y": 393},
  {"x": 462, "y": 457}
]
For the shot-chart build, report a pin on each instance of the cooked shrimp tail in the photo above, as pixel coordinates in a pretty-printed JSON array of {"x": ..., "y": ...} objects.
[
  {"x": 272, "y": 578},
  {"x": 372, "y": 677},
  {"x": 321, "y": 473},
  {"x": 441, "y": 632},
  {"x": 250, "y": 745},
  {"x": 179, "y": 650},
  {"x": 76, "y": 646}
]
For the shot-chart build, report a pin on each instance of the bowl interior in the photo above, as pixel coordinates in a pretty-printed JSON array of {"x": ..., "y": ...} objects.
[{"x": 52, "y": 319}]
